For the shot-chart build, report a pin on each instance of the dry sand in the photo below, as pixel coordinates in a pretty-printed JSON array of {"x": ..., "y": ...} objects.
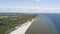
[{"x": 23, "y": 28}]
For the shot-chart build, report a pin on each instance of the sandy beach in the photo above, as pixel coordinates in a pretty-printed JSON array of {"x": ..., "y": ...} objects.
[{"x": 23, "y": 28}]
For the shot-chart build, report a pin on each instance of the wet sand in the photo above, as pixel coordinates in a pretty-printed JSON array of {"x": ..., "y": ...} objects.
[{"x": 42, "y": 25}]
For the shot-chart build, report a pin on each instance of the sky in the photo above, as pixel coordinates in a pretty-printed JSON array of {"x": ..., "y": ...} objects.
[{"x": 30, "y": 6}]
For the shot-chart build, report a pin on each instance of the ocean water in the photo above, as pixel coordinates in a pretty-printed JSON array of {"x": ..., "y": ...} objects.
[
  {"x": 48, "y": 23},
  {"x": 55, "y": 17}
]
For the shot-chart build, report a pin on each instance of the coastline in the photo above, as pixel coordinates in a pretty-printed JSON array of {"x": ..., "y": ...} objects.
[{"x": 23, "y": 28}]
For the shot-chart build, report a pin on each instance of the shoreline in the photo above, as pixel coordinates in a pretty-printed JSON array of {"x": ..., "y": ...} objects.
[{"x": 23, "y": 28}]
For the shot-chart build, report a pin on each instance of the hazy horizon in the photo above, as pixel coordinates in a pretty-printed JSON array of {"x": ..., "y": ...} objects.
[{"x": 30, "y": 6}]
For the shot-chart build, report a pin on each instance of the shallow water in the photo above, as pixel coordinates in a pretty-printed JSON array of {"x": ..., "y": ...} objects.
[{"x": 42, "y": 25}]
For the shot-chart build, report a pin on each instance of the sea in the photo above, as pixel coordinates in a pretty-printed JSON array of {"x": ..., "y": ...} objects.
[
  {"x": 47, "y": 23},
  {"x": 55, "y": 17}
]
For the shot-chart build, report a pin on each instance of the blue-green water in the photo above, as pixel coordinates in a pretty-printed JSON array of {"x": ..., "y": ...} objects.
[
  {"x": 55, "y": 17},
  {"x": 48, "y": 23}
]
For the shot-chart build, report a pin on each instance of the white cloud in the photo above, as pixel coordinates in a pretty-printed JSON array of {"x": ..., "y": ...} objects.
[
  {"x": 31, "y": 10},
  {"x": 37, "y": 0}
]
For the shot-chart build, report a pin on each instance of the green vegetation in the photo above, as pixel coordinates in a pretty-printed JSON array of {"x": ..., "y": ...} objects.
[
  {"x": 3, "y": 16},
  {"x": 8, "y": 22}
]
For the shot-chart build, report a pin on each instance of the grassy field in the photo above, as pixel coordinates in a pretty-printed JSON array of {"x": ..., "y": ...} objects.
[
  {"x": 8, "y": 22},
  {"x": 3, "y": 16}
]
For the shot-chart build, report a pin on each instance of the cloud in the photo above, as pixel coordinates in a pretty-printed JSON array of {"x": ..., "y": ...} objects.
[
  {"x": 37, "y": 0},
  {"x": 31, "y": 10}
]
